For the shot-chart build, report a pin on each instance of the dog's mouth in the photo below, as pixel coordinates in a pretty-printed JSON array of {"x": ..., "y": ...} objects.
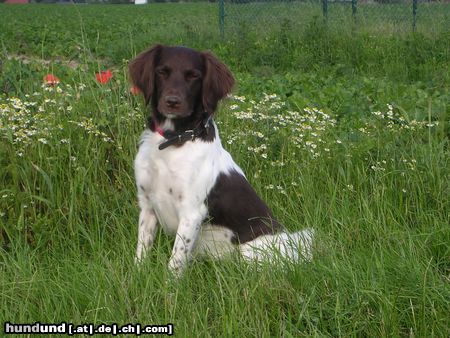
[{"x": 172, "y": 114}]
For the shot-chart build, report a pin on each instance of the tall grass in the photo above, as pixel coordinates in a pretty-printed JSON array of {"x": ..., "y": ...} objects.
[{"x": 353, "y": 145}]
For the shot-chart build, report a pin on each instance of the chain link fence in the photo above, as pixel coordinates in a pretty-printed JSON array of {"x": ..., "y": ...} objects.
[{"x": 379, "y": 16}]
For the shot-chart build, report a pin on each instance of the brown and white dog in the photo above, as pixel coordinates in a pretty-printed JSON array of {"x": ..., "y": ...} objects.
[{"x": 187, "y": 182}]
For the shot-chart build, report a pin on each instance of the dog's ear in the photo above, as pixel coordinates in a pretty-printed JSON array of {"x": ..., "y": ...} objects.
[
  {"x": 142, "y": 71},
  {"x": 217, "y": 82}
]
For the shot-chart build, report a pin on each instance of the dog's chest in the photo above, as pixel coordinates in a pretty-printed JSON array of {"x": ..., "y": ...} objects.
[
  {"x": 173, "y": 180},
  {"x": 166, "y": 192}
]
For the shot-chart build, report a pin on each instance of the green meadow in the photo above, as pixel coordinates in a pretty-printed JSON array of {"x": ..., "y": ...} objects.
[{"x": 342, "y": 126}]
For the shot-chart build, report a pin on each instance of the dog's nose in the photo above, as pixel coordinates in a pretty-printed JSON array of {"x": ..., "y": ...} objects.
[{"x": 173, "y": 101}]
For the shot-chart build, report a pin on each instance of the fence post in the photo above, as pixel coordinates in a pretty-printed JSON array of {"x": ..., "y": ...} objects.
[
  {"x": 354, "y": 9},
  {"x": 325, "y": 8},
  {"x": 222, "y": 18},
  {"x": 414, "y": 14}
]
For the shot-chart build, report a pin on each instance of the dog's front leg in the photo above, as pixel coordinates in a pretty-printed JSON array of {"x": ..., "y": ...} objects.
[
  {"x": 147, "y": 231},
  {"x": 187, "y": 234}
]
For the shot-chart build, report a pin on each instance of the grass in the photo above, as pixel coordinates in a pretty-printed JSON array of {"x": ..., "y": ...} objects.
[{"x": 351, "y": 139}]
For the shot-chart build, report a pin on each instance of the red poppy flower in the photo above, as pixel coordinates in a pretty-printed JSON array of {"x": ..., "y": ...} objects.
[
  {"x": 135, "y": 90},
  {"x": 51, "y": 80},
  {"x": 104, "y": 76}
]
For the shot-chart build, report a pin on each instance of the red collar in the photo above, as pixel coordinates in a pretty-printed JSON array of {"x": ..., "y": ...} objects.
[{"x": 159, "y": 130}]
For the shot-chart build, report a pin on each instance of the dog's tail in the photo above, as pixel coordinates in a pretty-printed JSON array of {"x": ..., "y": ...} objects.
[{"x": 293, "y": 247}]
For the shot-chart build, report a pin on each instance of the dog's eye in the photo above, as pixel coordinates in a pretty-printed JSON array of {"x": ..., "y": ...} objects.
[
  {"x": 192, "y": 75},
  {"x": 162, "y": 72}
]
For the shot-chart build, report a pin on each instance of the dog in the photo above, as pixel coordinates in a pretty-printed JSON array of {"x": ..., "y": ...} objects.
[{"x": 186, "y": 181}]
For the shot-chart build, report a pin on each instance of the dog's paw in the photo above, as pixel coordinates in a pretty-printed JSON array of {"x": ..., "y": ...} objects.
[
  {"x": 140, "y": 254},
  {"x": 176, "y": 267},
  {"x": 137, "y": 260}
]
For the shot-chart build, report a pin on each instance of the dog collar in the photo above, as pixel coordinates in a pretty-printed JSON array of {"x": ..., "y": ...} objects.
[{"x": 180, "y": 138}]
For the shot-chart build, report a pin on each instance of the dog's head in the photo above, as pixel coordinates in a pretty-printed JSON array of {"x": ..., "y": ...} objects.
[{"x": 180, "y": 82}]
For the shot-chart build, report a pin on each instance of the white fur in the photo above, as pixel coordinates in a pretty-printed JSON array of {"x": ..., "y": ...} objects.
[
  {"x": 173, "y": 185},
  {"x": 273, "y": 248}
]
